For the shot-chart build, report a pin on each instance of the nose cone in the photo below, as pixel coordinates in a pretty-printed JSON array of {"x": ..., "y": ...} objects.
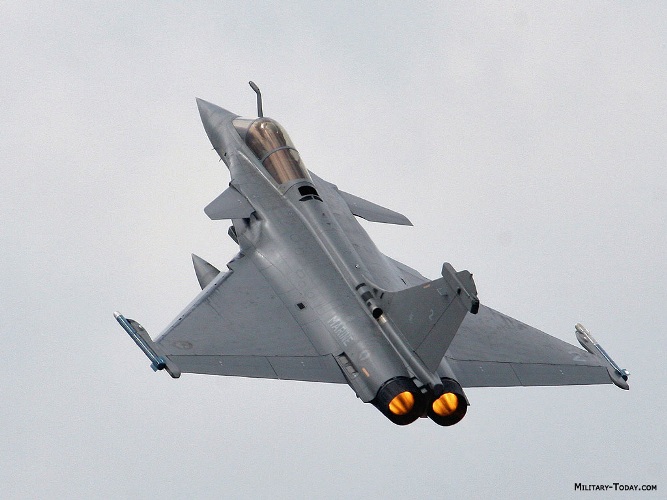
[{"x": 216, "y": 121}]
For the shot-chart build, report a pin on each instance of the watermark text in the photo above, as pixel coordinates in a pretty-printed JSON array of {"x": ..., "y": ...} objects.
[{"x": 615, "y": 487}]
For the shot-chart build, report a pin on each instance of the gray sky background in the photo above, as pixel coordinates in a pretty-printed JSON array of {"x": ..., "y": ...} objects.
[{"x": 526, "y": 142}]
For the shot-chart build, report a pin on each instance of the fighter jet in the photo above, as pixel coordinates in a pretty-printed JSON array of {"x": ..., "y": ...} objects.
[{"x": 310, "y": 297}]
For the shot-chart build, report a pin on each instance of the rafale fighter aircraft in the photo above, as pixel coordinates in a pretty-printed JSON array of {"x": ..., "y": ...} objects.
[{"x": 310, "y": 297}]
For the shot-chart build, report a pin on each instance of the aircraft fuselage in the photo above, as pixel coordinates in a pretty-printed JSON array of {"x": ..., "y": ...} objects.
[{"x": 295, "y": 239}]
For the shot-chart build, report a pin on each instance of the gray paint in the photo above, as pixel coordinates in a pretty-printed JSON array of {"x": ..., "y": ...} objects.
[
  {"x": 525, "y": 142},
  {"x": 309, "y": 297}
]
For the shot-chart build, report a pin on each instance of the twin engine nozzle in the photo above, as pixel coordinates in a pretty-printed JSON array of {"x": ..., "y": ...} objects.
[{"x": 402, "y": 402}]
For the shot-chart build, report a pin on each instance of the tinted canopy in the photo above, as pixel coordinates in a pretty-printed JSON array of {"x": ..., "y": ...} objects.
[{"x": 273, "y": 147}]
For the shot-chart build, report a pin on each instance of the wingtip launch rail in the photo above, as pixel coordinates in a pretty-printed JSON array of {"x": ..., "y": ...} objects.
[
  {"x": 619, "y": 376},
  {"x": 159, "y": 360}
]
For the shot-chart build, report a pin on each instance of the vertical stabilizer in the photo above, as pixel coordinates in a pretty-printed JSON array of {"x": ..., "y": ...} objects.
[{"x": 429, "y": 315}]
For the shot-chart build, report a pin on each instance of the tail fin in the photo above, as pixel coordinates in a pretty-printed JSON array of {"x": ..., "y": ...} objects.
[{"x": 429, "y": 315}]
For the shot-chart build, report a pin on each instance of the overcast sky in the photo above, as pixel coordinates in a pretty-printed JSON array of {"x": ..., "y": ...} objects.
[{"x": 525, "y": 141}]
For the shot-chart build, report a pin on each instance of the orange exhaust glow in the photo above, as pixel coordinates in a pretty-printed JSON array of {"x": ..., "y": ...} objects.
[
  {"x": 402, "y": 403},
  {"x": 445, "y": 405}
]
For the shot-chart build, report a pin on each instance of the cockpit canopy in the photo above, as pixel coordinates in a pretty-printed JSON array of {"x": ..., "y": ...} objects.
[{"x": 274, "y": 149}]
